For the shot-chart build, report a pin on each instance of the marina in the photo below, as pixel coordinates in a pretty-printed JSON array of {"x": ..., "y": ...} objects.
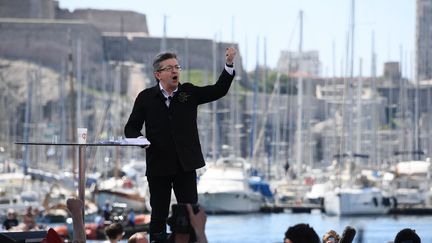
[{"x": 55, "y": 217}]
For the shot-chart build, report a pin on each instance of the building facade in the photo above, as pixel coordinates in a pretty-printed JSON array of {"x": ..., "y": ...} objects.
[
  {"x": 306, "y": 63},
  {"x": 424, "y": 40}
]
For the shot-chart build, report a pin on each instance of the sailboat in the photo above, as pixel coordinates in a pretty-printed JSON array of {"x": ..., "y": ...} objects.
[{"x": 348, "y": 197}]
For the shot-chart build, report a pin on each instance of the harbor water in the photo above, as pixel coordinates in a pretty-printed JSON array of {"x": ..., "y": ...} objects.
[{"x": 271, "y": 227}]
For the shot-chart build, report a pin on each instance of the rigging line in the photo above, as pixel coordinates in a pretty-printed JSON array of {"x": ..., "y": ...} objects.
[
  {"x": 101, "y": 122},
  {"x": 293, "y": 32},
  {"x": 260, "y": 137}
]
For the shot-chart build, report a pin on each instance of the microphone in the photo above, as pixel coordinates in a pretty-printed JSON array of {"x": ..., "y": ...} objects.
[{"x": 348, "y": 235}]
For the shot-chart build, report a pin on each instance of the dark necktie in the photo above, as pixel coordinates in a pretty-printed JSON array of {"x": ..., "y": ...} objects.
[{"x": 168, "y": 100}]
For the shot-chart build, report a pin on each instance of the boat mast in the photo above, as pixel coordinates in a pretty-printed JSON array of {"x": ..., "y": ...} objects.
[
  {"x": 79, "y": 84},
  {"x": 417, "y": 149},
  {"x": 27, "y": 119},
  {"x": 351, "y": 66},
  {"x": 300, "y": 100},
  {"x": 254, "y": 126},
  {"x": 63, "y": 119},
  {"x": 163, "y": 42},
  {"x": 214, "y": 109},
  {"x": 359, "y": 112},
  {"x": 234, "y": 121},
  {"x": 376, "y": 151},
  {"x": 72, "y": 103}
]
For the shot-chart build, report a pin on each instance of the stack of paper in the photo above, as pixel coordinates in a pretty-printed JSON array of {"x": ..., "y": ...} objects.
[{"x": 136, "y": 141}]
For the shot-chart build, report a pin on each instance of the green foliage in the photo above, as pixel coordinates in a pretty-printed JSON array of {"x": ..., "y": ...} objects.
[
  {"x": 288, "y": 85},
  {"x": 196, "y": 77},
  {"x": 385, "y": 127}
]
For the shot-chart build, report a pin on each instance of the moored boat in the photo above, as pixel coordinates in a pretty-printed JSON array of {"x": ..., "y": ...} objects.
[
  {"x": 122, "y": 190},
  {"x": 224, "y": 188},
  {"x": 356, "y": 201}
]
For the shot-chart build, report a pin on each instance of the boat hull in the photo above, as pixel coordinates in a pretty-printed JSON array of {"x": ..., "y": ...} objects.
[
  {"x": 356, "y": 202},
  {"x": 133, "y": 201},
  {"x": 230, "y": 202}
]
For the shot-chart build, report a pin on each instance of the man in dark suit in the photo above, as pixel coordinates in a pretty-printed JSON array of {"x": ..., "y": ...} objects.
[{"x": 169, "y": 112}]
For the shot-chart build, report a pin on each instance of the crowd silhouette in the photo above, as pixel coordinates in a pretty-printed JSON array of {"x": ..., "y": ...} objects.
[{"x": 298, "y": 233}]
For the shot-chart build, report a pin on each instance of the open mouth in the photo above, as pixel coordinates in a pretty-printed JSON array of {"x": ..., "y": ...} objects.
[{"x": 175, "y": 78}]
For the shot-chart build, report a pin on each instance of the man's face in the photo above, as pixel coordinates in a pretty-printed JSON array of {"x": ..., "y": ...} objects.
[{"x": 169, "y": 74}]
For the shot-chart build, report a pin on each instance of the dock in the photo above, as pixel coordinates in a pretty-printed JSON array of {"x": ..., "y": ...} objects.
[
  {"x": 309, "y": 208},
  {"x": 411, "y": 211},
  {"x": 293, "y": 208}
]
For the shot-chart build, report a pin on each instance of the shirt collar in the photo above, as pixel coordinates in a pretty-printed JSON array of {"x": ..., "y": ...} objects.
[{"x": 164, "y": 92}]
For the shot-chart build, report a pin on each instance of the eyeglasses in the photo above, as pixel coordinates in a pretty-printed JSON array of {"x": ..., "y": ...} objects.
[{"x": 170, "y": 68}]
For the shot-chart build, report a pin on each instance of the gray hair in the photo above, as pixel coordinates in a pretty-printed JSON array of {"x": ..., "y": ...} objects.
[{"x": 162, "y": 57}]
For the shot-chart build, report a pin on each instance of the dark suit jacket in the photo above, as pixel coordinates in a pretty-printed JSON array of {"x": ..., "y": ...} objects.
[{"x": 172, "y": 131}]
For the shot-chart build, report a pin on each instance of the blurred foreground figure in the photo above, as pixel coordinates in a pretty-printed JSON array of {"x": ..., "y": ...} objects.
[
  {"x": 407, "y": 236},
  {"x": 301, "y": 233}
]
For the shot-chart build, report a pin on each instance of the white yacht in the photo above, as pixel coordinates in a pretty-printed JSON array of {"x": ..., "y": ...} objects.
[
  {"x": 412, "y": 183},
  {"x": 356, "y": 201},
  {"x": 317, "y": 193},
  {"x": 224, "y": 188}
]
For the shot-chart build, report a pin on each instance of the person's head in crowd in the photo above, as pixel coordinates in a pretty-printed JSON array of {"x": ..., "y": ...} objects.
[
  {"x": 29, "y": 222},
  {"x": 139, "y": 237},
  {"x": 301, "y": 233},
  {"x": 11, "y": 219},
  {"x": 114, "y": 232},
  {"x": 29, "y": 211},
  {"x": 331, "y": 237},
  {"x": 11, "y": 214},
  {"x": 407, "y": 236}
]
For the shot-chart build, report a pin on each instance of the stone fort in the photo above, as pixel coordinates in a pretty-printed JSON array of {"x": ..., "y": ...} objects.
[{"x": 40, "y": 31}]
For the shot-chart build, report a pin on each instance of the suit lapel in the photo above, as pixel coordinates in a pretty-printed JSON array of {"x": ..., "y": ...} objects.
[
  {"x": 175, "y": 97},
  {"x": 158, "y": 97}
]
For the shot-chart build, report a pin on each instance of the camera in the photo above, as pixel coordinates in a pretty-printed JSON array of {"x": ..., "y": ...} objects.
[{"x": 179, "y": 221}]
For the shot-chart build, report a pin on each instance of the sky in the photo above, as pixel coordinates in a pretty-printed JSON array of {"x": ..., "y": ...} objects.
[{"x": 262, "y": 29}]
